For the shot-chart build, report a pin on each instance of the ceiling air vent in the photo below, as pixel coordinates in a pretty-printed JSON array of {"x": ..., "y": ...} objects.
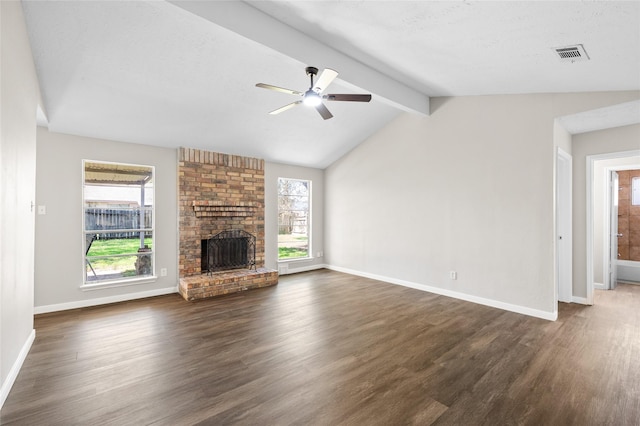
[{"x": 572, "y": 53}]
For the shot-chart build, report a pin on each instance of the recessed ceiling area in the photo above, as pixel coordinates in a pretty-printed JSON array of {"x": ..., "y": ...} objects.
[{"x": 183, "y": 73}]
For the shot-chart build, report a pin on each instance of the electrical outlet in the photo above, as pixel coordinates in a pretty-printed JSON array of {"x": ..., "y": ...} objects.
[
  {"x": 163, "y": 272},
  {"x": 453, "y": 275}
]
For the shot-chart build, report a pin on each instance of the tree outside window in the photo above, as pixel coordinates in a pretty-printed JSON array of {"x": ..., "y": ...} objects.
[{"x": 294, "y": 201}]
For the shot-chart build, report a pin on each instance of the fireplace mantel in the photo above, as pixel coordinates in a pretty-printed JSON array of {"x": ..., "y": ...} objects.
[{"x": 225, "y": 208}]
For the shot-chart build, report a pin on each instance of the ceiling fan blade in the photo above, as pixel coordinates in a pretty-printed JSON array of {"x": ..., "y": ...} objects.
[
  {"x": 324, "y": 112},
  {"x": 278, "y": 89},
  {"x": 325, "y": 79},
  {"x": 347, "y": 97},
  {"x": 284, "y": 108}
]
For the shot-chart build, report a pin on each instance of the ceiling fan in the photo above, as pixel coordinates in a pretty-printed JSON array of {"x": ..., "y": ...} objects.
[{"x": 313, "y": 97}]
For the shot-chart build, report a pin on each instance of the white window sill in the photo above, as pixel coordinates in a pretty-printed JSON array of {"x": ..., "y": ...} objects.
[
  {"x": 118, "y": 283},
  {"x": 297, "y": 259}
]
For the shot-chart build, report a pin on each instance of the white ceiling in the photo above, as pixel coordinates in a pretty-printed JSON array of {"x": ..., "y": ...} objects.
[{"x": 183, "y": 73}]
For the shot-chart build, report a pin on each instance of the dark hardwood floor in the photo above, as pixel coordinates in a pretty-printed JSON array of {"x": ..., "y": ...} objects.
[{"x": 325, "y": 348}]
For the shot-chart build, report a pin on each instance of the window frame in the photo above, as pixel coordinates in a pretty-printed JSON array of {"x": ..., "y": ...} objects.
[
  {"x": 119, "y": 281},
  {"x": 309, "y": 220}
]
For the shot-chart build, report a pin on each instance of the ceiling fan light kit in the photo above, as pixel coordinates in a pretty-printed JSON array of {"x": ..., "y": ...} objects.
[{"x": 313, "y": 96}]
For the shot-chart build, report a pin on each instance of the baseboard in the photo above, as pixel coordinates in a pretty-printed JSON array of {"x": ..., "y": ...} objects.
[
  {"x": 580, "y": 300},
  {"x": 599, "y": 286},
  {"x": 303, "y": 269},
  {"x": 628, "y": 282},
  {"x": 551, "y": 316},
  {"x": 15, "y": 368},
  {"x": 103, "y": 300}
]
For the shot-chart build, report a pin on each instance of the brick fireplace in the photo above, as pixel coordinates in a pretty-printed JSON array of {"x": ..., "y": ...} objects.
[{"x": 218, "y": 193}]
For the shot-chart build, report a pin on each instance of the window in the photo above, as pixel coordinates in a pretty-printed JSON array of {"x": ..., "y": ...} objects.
[
  {"x": 294, "y": 200},
  {"x": 635, "y": 191},
  {"x": 118, "y": 222}
]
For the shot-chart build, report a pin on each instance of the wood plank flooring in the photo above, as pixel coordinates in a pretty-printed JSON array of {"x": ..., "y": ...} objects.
[{"x": 325, "y": 348}]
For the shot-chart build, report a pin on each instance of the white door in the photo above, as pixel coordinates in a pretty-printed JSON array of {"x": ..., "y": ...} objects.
[
  {"x": 564, "y": 256},
  {"x": 613, "y": 231}
]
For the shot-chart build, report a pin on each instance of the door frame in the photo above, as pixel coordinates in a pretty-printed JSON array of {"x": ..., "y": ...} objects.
[
  {"x": 591, "y": 159},
  {"x": 564, "y": 235},
  {"x": 608, "y": 222}
]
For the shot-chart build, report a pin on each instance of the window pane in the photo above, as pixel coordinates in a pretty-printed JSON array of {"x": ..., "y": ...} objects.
[
  {"x": 293, "y": 218},
  {"x": 118, "y": 267},
  {"x": 118, "y": 221},
  {"x": 112, "y": 256}
]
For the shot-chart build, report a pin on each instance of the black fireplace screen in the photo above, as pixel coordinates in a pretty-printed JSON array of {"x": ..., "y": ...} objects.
[{"x": 232, "y": 249}]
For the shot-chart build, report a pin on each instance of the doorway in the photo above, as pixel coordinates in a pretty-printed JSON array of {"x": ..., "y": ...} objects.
[
  {"x": 602, "y": 232},
  {"x": 625, "y": 221}
]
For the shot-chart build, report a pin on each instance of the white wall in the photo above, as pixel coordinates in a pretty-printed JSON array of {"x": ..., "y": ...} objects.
[
  {"x": 618, "y": 139},
  {"x": 20, "y": 94},
  {"x": 272, "y": 172},
  {"x": 59, "y": 257},
  {"x": 468, "y": 189}
]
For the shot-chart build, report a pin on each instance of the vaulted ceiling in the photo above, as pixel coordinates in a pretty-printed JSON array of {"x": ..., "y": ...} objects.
[{"x": 183, "y": 73}]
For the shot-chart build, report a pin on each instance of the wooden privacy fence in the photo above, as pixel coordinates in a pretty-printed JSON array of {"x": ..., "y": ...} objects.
[{"x": 107, "y": 222}]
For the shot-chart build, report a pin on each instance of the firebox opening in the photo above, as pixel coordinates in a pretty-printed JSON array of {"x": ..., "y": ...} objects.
[{"x": 226, "y": 250}]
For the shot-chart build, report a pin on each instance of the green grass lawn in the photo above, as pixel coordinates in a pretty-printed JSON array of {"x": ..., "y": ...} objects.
[
  {"x": 117, "y": 246},
  {"x": 292, "y": 246},
  {"x": 292, "y": 252},
  {"x": 126, "y": 264}
]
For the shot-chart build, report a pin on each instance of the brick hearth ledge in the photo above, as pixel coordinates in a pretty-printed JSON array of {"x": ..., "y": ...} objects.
[{"x": 203, "y": 286}]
